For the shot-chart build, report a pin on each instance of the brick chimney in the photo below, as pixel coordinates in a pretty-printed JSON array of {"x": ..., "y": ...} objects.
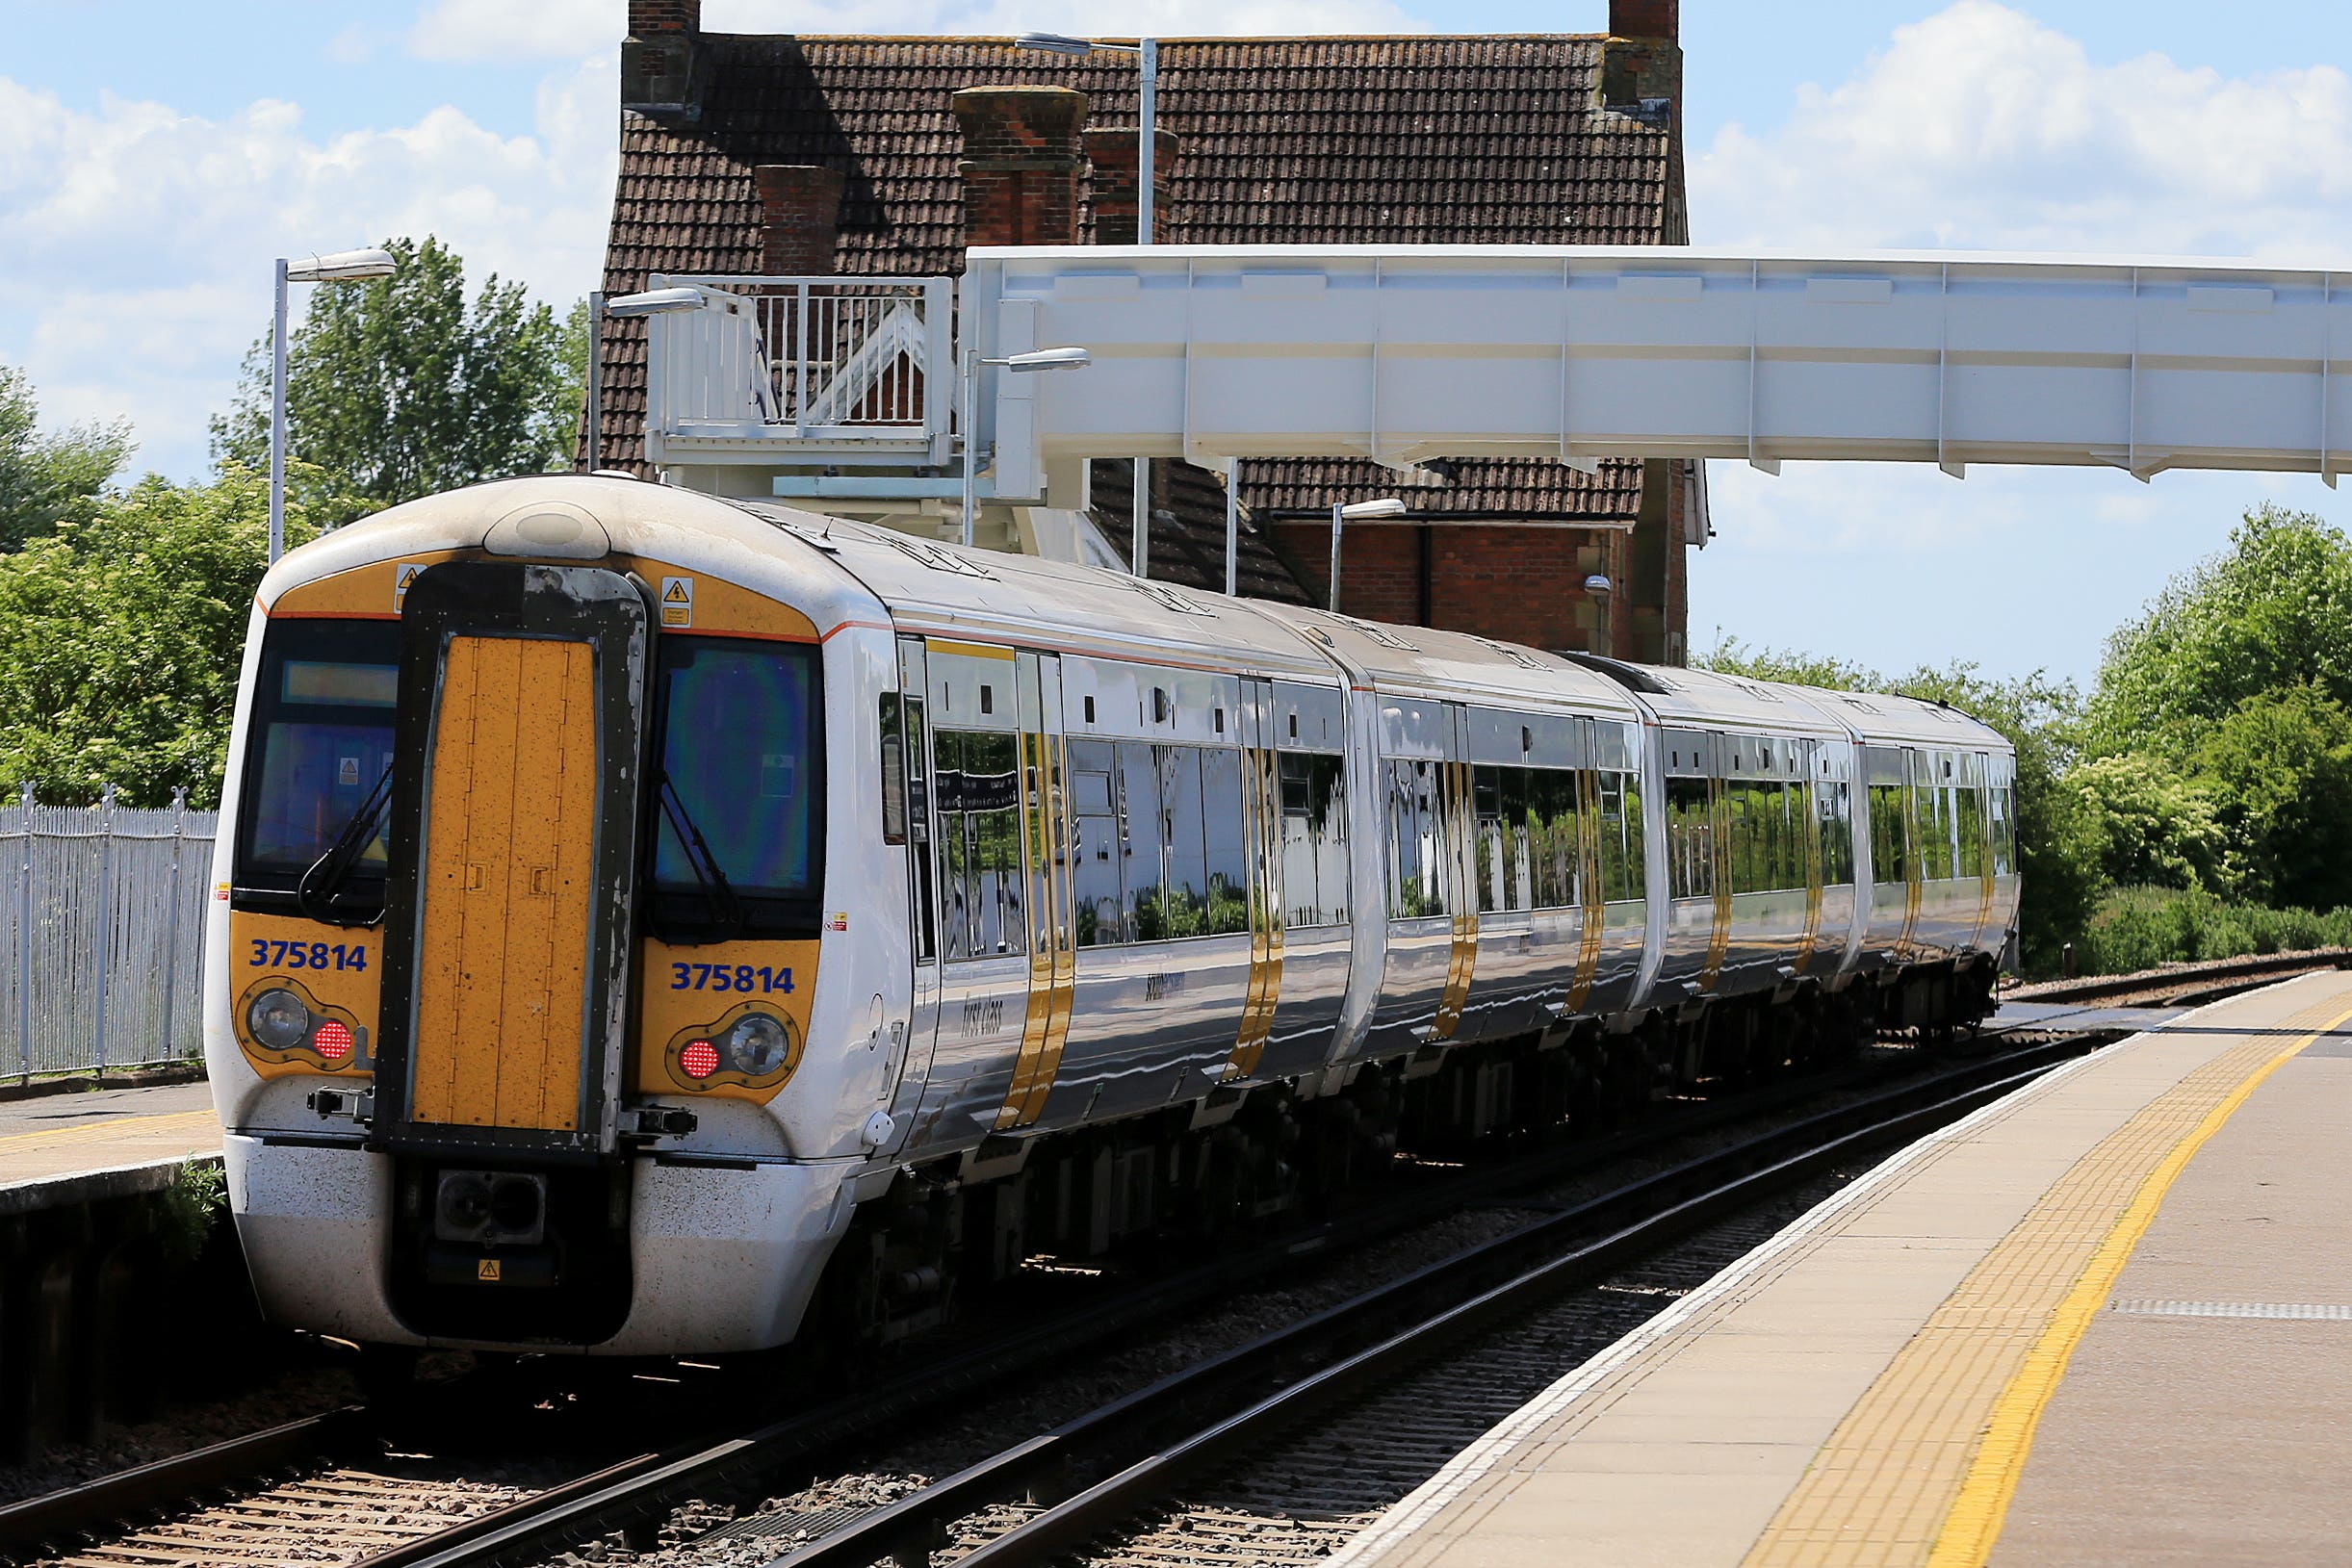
[
  {"x": 1021, "y": 164},
  {"x": 1114, "y": 151},
  {"x": 1645, "y": 19},
  {"x": 800, "y": 215},
  {"x": 657, "y": 63},
  {"x": 1641, "y": 61}
]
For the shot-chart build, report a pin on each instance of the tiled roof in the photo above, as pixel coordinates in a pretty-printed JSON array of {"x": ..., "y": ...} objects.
[
  {"x": 1303, "y": 141},
  {"x": 1188, "y": 536}
]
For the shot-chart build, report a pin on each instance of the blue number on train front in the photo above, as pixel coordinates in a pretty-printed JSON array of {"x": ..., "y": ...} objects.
[{"x": 737, "y": 977}]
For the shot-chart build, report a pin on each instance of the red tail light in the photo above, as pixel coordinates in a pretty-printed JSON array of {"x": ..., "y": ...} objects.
[
  {"x": 332, "y": 1040},
  {"x": 700, "y": 1058}
]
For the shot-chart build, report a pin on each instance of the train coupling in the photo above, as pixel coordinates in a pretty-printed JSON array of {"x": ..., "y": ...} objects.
[
  {"x": 345, "y": 1105},
  {"x": 651, "y": 1121}
]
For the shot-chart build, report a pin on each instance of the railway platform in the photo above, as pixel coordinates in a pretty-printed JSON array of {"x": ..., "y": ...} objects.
[
  {"x": 58, "y": 1150},
  {"x": 2103, "y": 1321}
]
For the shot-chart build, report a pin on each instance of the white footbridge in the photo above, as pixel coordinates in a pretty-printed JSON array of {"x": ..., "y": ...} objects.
[{"x": 843, "y": 388}]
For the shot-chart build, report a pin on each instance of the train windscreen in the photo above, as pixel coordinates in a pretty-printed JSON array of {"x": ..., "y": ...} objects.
[
  {"x": 319, "y": 748},
  {"x": 738, "y": 824}
]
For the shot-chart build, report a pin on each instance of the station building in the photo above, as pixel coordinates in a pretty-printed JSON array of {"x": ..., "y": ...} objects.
[{"x": 884, "y": 157}]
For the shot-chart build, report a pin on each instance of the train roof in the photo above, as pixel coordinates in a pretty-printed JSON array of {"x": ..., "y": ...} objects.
[
  {"x": 1425, "y": 661},
  {"x": 1892, "y": 719}
]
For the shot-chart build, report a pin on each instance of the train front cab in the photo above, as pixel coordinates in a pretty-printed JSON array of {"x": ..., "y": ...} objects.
[{"x": 595, "y": 847}]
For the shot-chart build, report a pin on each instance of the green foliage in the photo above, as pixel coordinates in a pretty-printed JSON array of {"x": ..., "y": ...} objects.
[
  {"x": 2154, "y": 824},
  {"x": 2272, "y": 611},
  {"x": 399, "y": 388},
  {"x": 46, "y": 480},
  {"x": 2138, "y": 928},
  {"x": 187, "y": 1210},
  {"x": 1731, "y": 656},
  {"x": 2280, "y": 762},
  {"x": 120, "y": 638}
]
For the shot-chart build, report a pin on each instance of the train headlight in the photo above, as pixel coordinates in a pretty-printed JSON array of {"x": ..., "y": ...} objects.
[
  {"x": 280, "y": 1022},
  {"x": 757, "y": 1045}
]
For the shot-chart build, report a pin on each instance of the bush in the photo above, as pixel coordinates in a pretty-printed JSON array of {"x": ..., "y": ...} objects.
[{"x": 2138, "y": 928}]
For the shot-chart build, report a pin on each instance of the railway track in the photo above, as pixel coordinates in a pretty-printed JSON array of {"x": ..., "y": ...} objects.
[
  {"x": 334, "y": 1501},
  {"x": 2187, "y": 984},
  {"x": 1217, "y": 1414}
]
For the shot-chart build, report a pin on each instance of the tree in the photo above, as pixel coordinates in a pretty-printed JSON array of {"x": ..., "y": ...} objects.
[
  {"x": 398, "y": 388},
  {"x": 2272, "y": 611},
  {"x": 2154, "y": 826},
  {"x": 2281, "y": 766},
  {"x": 121, "y": 639},
  {"x": 49, "y": 481}
]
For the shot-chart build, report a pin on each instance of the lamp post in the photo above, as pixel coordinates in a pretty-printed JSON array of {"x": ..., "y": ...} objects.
[
  {"x": 336, "y": 267},
  {"x": 652, "y": 302},
  {"x": 1147, "y": 52},
  {"x": 1038, "y": 359},
  {"x": 1385, "y": 507}
]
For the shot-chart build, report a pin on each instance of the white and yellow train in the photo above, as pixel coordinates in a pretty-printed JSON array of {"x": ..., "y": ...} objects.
[{"x": 642, "y": 910}]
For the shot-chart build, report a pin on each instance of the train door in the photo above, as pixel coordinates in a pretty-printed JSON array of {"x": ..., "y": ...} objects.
[
  {"x": 1461, "y": 837},
  {"x": 1262, "y": 827},
  {"x": 907, "y": 819},
  {"x": 1045, "y": 833},
  {"x": 1591, "y": 875},
  {"x": 508, "y": 914},
  {"x": 1805, "y": 822},
  {"x": 1894, "y": 837}
]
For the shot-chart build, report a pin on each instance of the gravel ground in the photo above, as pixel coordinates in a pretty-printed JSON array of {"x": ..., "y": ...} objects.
[{"x": 274, "y": 1399}]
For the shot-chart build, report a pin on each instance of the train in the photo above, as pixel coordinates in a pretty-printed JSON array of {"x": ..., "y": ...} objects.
[{"x": 652, "y": 924}]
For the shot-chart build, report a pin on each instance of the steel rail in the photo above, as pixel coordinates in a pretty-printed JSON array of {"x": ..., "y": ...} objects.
[
  {"x": 28, "y": 1527},
  {"x": 910, "y": 1527},
  {"x": 2198, "y": 981}
]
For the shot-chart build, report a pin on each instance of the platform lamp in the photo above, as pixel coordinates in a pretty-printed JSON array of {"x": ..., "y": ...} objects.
[
  {"x": 1037, "y": 359},
  {"x": 1146, "y": 53},
  {"x": 1597, "y": 588},
  {"x": 1385, "y": 507},
  {"x": 651, "y": 302},
  {"x": 335, "y": 267}
]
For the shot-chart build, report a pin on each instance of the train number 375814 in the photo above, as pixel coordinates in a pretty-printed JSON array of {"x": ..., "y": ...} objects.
[
  {"x": 307, "y": 955},
  {"x": 744, "y": 977}
]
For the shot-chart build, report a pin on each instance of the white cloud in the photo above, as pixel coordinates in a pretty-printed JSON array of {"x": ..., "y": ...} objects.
[
  {"x": 1980, "y": 127},
  {"x": 465, "y": 29},
  {"x": 137, "y": 237}
]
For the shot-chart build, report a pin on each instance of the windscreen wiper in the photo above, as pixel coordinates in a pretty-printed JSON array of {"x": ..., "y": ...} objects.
[
  {"x": 726, "y": 912},
  {"x": 316, "y": 892}
]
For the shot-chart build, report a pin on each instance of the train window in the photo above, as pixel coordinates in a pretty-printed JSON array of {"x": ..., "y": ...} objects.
[
  {"x": 1095, "y": 857},
  {"x": 1833, "y": 819},
  {"x": 321, "y": 743},
  {"x": 1938, "y": 816},
  {"x": 1620, "y": 838},
  {"x": 1552, "y": 838},
  {"x": 2004, "y": 830},
  {"x": 1690, "y": 838},
  {"x": 740, "y": 767},
  {"x": 1226, "y": 836},
  {"x": 1314, "y": 841},
  {"x": 906, "y": 805},
  {"x": 1184, "y": 887},
  {"x": 1890, "y": 832},
  {"x": 1767, "y": 847},
  {"x": 1418, "y": 841},
  {"x": 1143, "y": 856},
  {"x": 1969, "y": 806},
  {"x": 979, "y": 812}
]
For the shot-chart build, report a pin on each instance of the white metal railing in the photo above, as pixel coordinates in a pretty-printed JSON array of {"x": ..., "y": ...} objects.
[
  {"x": 821, "y": 361},
  {"x": 101, "y": 934}
]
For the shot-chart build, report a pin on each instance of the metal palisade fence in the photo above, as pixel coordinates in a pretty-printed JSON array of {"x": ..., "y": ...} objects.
[{"x": 101, "y": 934}]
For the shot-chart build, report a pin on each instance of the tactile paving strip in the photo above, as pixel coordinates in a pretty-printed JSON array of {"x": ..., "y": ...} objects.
[
  {"x": 2304, "y": 1311},
  {"x": 1881, "y": 1490}
]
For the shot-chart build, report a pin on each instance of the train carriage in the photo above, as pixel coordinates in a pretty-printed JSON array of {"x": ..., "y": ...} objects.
[{"x": 647, "y": 916}]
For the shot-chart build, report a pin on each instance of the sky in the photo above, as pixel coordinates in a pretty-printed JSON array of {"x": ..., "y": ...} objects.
[{"x": 156, "y": 155}]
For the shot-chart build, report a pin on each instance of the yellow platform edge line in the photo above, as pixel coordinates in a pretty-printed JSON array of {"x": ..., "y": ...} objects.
[
  {"x": 100, "y": 1132},
  {"x": 1972, "y": 1526}
]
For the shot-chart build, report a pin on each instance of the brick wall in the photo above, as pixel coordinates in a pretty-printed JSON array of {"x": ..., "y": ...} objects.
[
  {"x": 800, "y": 212},
  {"x": 1521, "y": 584},
  {"x": 658, "y": 58},
  {"x": 1021, "y": 164}
]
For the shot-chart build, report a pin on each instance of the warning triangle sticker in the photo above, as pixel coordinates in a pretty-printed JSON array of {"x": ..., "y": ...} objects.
[{"x": 677, "y": 594}]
